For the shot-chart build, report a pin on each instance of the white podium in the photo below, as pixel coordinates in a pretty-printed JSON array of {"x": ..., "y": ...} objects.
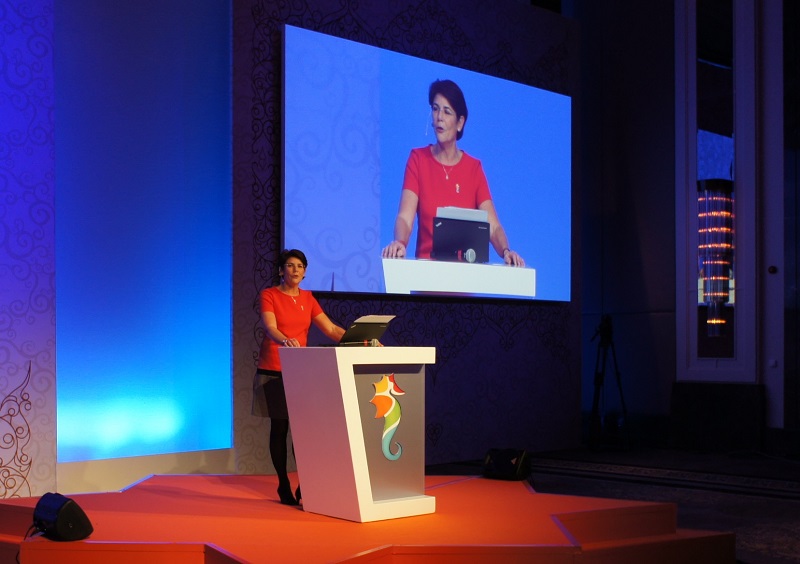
[{"x": 341, "y": 401}]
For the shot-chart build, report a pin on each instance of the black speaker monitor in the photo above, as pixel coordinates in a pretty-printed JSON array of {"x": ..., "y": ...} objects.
[
  {"x": 507, "y": 464},
  {"x": 59, "y": 518}
]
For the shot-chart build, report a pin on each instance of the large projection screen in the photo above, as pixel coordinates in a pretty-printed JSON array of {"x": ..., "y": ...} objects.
[{"x": 352, "y": 114}]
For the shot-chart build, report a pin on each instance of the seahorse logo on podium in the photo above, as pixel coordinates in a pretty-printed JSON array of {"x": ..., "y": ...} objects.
[{"x": 388, "y": 407}]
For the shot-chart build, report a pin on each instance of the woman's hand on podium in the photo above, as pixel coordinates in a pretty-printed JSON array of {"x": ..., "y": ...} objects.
[{"x": 395, "y": 249}]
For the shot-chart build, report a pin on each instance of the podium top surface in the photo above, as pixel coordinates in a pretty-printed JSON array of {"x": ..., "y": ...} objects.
[
  {"x": 371, "y": 355},
  {"x": 411, "y": 276}
]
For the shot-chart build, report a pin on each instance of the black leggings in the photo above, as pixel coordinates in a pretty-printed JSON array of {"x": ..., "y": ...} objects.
[{"x": 278, "y": 450}]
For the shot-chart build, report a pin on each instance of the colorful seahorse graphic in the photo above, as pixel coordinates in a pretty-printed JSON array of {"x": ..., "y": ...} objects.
[{"x": 389, "y": 408}]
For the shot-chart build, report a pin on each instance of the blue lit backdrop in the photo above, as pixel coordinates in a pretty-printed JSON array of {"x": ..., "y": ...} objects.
[{"x": 143, "y": 227}]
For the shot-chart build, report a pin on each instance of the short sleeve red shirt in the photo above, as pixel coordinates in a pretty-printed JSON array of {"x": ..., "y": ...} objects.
[
  {"x": 294, "y": 315},
  {"x": 463, "y": 185}
]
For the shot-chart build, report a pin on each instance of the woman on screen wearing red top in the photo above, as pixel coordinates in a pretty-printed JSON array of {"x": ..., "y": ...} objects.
[
  {"x": 287, "y": 313},
  {"x": 444, "y": 175}
]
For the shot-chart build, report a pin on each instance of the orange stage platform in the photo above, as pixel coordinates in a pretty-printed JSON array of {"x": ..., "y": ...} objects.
[{"x": 224, "y": 519}]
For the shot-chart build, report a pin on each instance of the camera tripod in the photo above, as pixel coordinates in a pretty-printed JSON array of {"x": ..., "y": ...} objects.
[{"x": 606, "y": 333}]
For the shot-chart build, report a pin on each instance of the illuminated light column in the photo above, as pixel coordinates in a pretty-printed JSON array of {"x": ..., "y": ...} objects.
[{"x": 715, "y": 248}]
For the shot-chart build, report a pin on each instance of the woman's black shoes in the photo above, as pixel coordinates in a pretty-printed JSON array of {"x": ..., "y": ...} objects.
[
  {"x": 297, "y": 495},
  {"x": 285, "y": 493}
]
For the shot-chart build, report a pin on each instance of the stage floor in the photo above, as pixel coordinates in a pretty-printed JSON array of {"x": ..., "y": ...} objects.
[{"x": 228, "y": 518}]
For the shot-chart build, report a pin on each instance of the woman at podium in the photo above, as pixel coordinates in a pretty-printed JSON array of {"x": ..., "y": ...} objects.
[
  {"x": 287, "y": 313},
  {"x": 442, "y": 175}
]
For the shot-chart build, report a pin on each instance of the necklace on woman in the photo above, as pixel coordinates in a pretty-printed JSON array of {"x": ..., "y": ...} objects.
[
  {"x": 294, "y": 299},
  {"x": 440, "y": 155},
  {"x": 447, "y": 177}
]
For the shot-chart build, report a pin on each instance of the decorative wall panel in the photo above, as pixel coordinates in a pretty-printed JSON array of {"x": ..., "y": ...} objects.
[
  {"x": 507, "y": 373},
  {"x": 27, "y": 269}
]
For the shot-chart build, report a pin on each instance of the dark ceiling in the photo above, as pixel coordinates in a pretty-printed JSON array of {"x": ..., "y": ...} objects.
[{"x": 715, "y": 55}]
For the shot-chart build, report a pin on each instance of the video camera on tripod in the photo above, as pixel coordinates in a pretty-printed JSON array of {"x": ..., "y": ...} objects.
[{"x": 606, "y": 333}]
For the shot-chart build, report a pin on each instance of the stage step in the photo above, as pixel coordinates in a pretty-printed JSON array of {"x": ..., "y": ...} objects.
[
  {"x": 683, "y": 546},
  {"x": 619, "y": 523},
  {"x": 708, "y": 547},
  {"x": 41, "y": 551},
  {"x": 647, "y": 533},
  {"x": 627, "y": 535}
]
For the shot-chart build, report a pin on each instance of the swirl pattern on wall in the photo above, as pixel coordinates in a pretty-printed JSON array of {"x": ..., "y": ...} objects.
[
  {"x": 15, "y": 436},
  {"x": 27, "y": 267}
]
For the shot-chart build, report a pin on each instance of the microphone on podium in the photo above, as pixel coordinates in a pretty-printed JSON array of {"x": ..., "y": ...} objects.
[{"x": 364, "y": 343}]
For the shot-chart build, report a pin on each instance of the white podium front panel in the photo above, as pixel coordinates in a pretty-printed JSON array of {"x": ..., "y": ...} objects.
[
  {"x": 410, "y": 276},
  {"x": 358, "y": 425}
]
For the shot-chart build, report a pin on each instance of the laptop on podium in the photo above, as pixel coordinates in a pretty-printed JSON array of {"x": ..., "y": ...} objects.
[
  {"x": 365, "y": 331},
  {"x": 460, "y": 235}
]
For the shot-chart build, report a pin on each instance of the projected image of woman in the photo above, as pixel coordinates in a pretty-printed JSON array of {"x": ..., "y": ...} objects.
[
  {"x": 287, "y": 313},
  {"x": 444, "y": 175}
]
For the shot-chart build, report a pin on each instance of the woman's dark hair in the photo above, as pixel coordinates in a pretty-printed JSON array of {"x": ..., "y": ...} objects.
[
  {"x": 454, "y": 95},
  {"x": 286, "y": 254}
]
